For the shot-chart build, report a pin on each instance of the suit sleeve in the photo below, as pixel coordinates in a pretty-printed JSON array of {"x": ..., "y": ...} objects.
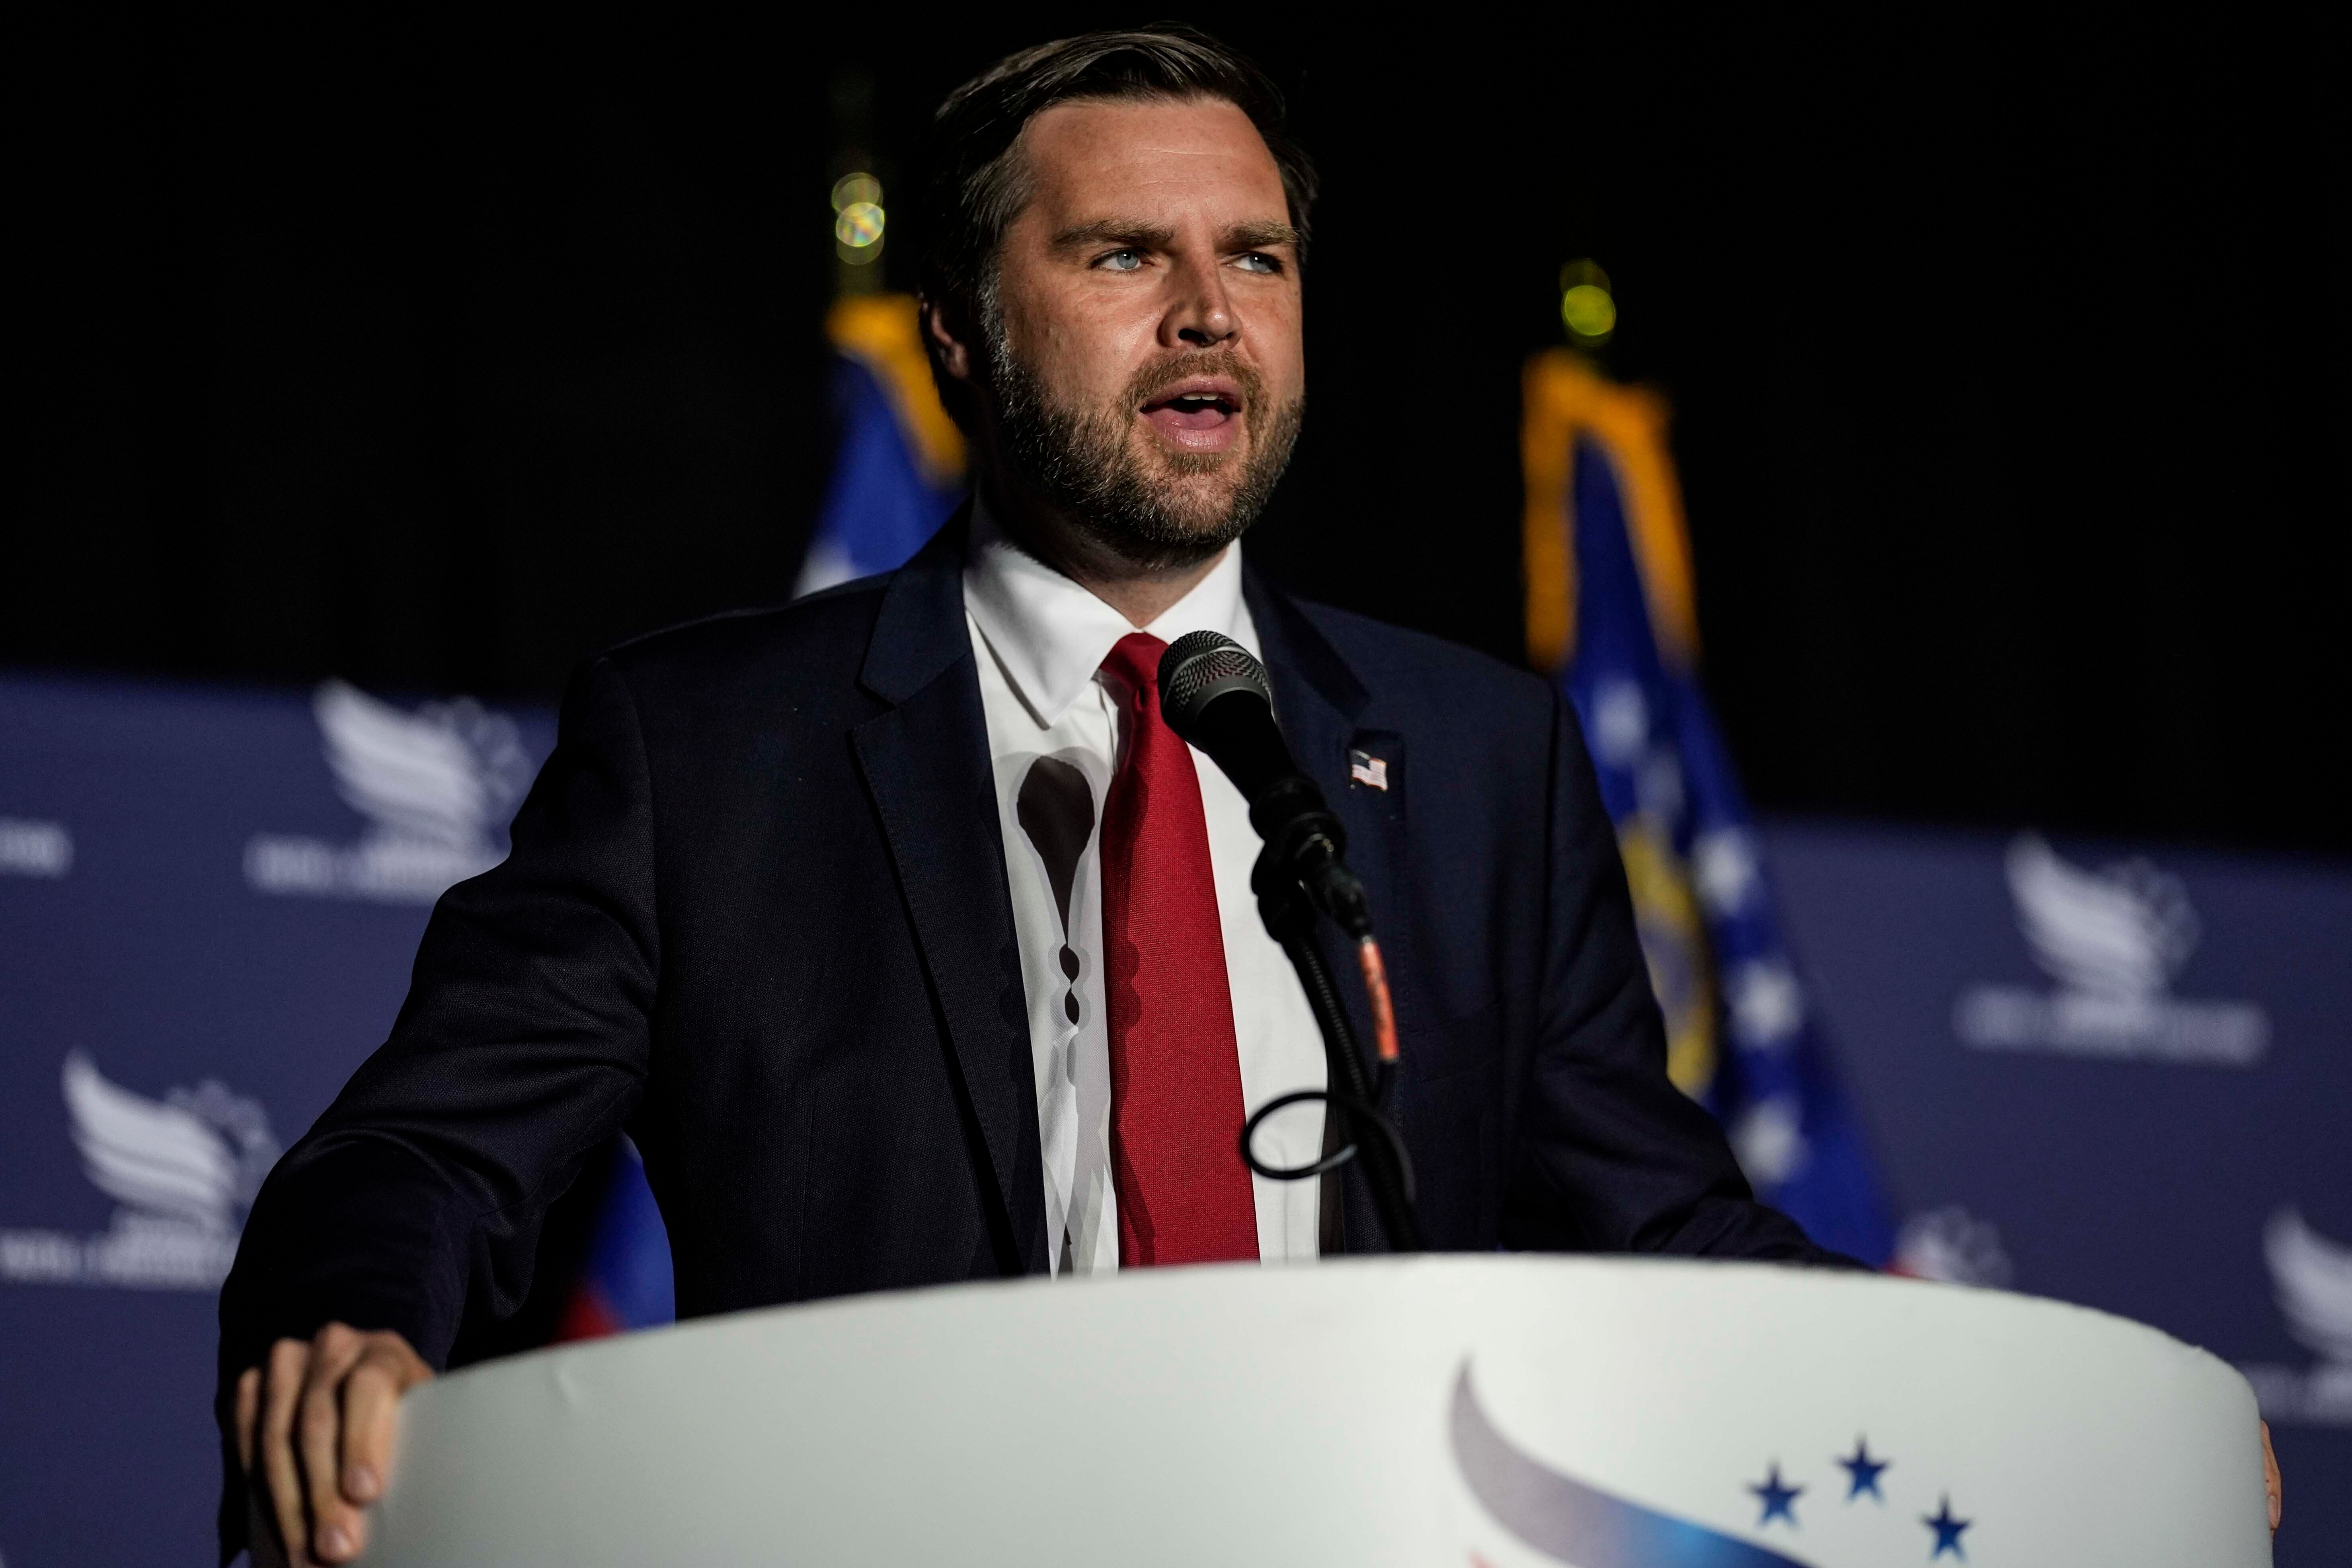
[
  {"x": 1611, "y": 1156},
  {"x": 522, "y": 1046}
]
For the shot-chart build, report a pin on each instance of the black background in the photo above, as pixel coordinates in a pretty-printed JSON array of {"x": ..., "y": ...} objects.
[{"x": 2007, "y": 356}]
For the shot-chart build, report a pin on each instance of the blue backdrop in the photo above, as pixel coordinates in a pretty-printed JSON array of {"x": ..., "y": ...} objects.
[
  {"x": 2119, "y": 1077},
  {"x": 208, "y": 905}
]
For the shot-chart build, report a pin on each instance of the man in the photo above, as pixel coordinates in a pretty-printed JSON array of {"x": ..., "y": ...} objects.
[{"x": 904, "y": 936}]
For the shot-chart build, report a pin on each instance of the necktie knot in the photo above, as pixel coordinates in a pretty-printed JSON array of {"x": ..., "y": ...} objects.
[{"x": 1136, "y": 662}]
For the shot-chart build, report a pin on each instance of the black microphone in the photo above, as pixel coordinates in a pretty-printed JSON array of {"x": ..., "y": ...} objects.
[{"x": 1217, "y": 697}]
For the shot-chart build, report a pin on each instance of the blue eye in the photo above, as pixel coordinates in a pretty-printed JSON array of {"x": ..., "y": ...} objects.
[
  {"x": 1258, "y": 261},
  {"x": 1122, "y": 261}
]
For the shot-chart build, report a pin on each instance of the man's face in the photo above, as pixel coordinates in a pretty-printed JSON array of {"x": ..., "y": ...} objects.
[{"x": 1143, "y": 344}]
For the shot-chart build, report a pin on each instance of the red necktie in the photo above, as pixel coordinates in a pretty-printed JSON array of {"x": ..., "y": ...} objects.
[{"x": 1185, "y": 1195}]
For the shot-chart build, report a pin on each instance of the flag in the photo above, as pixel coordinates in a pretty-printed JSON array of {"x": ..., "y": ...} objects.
[
  {"x": 898, "y": 470},
  {"x": 1611, "y": 612},
  {"x": 624, "y": 1282}
]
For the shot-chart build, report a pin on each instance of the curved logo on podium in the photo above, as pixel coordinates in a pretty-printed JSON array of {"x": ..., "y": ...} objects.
[{"x": 1573, "y": 1522}]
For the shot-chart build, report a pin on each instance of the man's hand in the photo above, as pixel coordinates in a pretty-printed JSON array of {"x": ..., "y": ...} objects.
[
  {"x": 314, "y": 1430},
  {"x": 2271, "y": 1487}
]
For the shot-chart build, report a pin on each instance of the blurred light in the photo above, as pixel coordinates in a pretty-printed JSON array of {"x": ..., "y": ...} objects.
[
  {"x": 1586, "y": 305},
  {"x": 859, "y": 230},
  {"x": 857, "y": 219},
  {"x": 857, "y": 187},
  {"x": 1588, "y": 311}
]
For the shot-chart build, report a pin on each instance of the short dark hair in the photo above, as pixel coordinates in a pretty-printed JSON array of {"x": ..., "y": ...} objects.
[{"x": 971, "y": 188}]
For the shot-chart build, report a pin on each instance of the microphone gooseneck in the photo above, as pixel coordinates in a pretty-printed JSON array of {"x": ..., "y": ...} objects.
[{"x": 1216, "y": 697}]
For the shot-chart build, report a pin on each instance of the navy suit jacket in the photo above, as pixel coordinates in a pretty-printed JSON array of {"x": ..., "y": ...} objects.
[{"x": 756, "y": 914}]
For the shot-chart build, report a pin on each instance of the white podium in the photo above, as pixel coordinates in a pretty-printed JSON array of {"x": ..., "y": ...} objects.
[{"x": 1511, "y": 1412}]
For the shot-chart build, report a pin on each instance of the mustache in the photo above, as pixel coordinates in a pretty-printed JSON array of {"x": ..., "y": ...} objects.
[
  {"x": 1083, "y": 458},
  {"x": 1149, "y": 381}
]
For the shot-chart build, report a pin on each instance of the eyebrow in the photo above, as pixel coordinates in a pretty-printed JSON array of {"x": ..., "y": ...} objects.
[
  {"x": 1159, "y": 236},
  {"x": 1261, "y": 237},
  {"x": 1115, "y": 231}
]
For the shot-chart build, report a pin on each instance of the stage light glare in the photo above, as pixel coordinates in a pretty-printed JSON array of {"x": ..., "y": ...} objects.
[
  {"x": 1589, "y": 311},
  {"x": 851, "y": 189},
  {"x": 860, "y": 226}
]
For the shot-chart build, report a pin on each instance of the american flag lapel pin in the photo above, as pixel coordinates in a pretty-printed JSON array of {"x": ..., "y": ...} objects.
[{"x": 1366, "y": 769}]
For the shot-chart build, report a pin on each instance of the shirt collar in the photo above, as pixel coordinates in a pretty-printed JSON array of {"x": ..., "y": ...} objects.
[{"x": 1050, "y": 635}]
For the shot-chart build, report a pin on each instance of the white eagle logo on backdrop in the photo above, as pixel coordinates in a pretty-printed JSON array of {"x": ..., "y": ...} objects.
[
  {"x": 435, "y": 786},
  {"x": 184, "y": 1168},
  {"x": 446, "y": 774},
  {"x": 2113, "y": 940},
  {"x": 194, "y": 1157},
  {"x": 2124, "y": 931},
  {"x": 2311, "y": 1279}
]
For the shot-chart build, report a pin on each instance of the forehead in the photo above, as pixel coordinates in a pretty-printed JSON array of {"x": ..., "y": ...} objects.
[{"x": 1089, "y": 156}]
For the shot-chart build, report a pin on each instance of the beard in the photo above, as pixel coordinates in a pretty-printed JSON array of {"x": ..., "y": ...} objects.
[{"x": 1154, "y": 507}]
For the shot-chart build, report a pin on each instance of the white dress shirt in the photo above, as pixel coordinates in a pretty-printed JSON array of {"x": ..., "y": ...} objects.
[{"x": 1041, "y": 639}]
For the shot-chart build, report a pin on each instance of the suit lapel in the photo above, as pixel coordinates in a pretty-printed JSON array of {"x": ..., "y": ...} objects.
[
  {"x": 926, "y": 762},
  {"x": 1328, "y": 717},
  {"x": 1327, "y": 714}
]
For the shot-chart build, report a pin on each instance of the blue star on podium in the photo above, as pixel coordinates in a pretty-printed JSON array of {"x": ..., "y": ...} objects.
[
  {"x": 1865, "y": 1471},
  {"x": 1947, "y": 1531},
  {"x": 1777, "y": 1498}
]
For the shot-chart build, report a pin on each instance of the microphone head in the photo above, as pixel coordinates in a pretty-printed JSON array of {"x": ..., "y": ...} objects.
[{"x": 1200, "y": 667}]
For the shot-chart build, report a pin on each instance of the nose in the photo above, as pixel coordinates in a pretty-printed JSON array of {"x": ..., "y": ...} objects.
[{"x": 1200, "y": 313}]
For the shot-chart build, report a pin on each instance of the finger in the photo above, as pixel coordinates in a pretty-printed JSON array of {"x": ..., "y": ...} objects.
[
  {"x": 333, "y": 1522},
  {"x": 281, "y": 1386},
  {"x": 371, "y": 1425},
  {"x": 260, "y": 1534},
  {"x": 2273, "y": 1485},
  {"x": 249, "y": 1415}
]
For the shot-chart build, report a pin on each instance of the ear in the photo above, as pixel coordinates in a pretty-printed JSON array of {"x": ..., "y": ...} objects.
[{"x": 946, "y": 334}]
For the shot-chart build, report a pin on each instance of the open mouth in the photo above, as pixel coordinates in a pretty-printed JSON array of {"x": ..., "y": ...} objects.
[{"x": 1199, "y": 415}]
